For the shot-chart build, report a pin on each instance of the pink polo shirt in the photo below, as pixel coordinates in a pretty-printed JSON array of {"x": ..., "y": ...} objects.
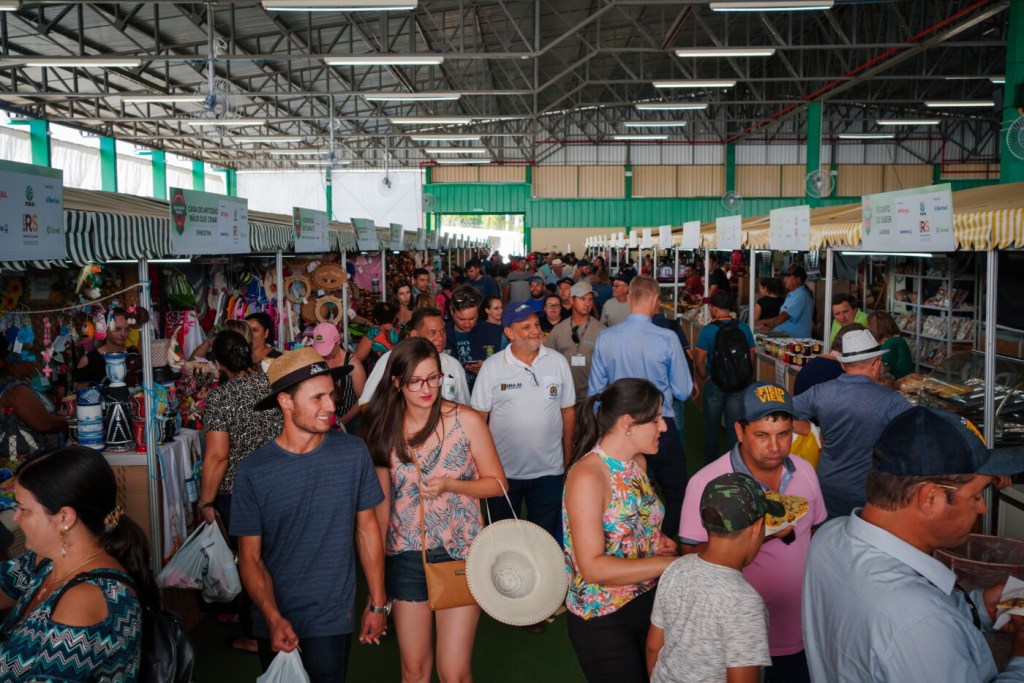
[{"x": 778, "y": 570}]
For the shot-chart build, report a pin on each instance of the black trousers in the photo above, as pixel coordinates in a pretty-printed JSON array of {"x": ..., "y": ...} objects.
[
  {"x": 669, "y": 470},
  {"x": 613, "y": 648},
  {"x": 788, "y": 669}
]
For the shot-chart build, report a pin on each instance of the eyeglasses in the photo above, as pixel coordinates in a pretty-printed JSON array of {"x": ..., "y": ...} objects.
[
  {"x": 415, "y": 384},
  {"x": 552, "y": 305},
  {"x": 465, "y": 301}
]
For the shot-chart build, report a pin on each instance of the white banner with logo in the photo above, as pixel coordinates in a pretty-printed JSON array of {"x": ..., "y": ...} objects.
[
  {"x": 919, "y": 219},
  {"x": 31, "y": 212},
  {"x": 310, "y": 231},
  {"x": 729, "y": 232},
  {"x": 789, "y": 229}
]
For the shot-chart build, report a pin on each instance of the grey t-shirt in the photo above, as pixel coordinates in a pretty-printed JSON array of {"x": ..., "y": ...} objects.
[
  {"x": 614, "y": 312},
  {"x": 713, "y": 620}
]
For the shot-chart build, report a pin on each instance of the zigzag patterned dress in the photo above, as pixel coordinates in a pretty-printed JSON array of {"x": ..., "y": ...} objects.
[{"x": 38, "y": 649}]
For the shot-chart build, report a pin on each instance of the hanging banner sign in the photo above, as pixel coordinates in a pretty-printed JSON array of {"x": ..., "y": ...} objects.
[
  {"x": 208, "y": 223},
  {"x": 310, "y": 231},
  {"x": 648, "y": 239},
  {"x": 691, "y": 235},
  {"x": 396, "y": 237},
  {"x": 789, "y": 229},
  {"x": 729, "y": 232},
  {"x": 632, "y": 241},
  {"x": 435, "y": 240},
  {"x": 919, "y": 219},
  {"x": 421, "y": 239},
  {"x": 366, "y": 234},
  {"x": 31, "y": 212},
  {"x": 665, "y": 236}
]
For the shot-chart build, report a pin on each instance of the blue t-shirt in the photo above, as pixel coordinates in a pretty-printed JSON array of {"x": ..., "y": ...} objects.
[
  {"x": 706, "y": 340},
  {"x": 817, "y": 371},
  {"x": 602, "y": 293},
  {"x": 799, "y": 304},
  {"x": 303, "y": 506},
  {"x": 485, "y": 285}
]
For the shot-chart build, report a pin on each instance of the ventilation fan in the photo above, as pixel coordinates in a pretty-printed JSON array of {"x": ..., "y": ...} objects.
[
  {"x": 818, "y": 184},
  {"x": 386, "y": 185},
  {"x": 220, "y": 96},
  {"x": 429, "y": 202},
  {"x": 1015, "y": 137},
  {"x": 732, "y": 201}
]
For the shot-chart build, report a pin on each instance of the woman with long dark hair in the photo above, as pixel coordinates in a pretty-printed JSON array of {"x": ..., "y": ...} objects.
[
  {"x": 263, "y": 351},
  {"x": 68, "y": 511},
  {"x": 435, "y": 460},
  {"x": 403, "y": 298},
  {"x": 611, "y": 517},
  {"x": 380, "y": 338}
]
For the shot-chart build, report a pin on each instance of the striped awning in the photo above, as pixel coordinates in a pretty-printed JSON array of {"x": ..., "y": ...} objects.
[
  {"x": 342, "y": 240},
  {"x": 985, "y": 230},
  {"x": 94, "y": 237},
  {"x": 835, "y": 235},
  {"x": 270, "y": 237}
]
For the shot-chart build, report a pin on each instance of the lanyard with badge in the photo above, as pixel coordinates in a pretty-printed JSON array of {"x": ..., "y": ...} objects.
[{"x": 578, "y": 360}]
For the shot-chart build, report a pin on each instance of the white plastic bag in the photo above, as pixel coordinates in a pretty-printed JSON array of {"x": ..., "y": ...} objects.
[
  {"x": 205, "y": 562},
  {"x": 285, "y": 668}
]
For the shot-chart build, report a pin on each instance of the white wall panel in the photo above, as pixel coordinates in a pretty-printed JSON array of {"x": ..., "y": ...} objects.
[
  {"x": 784, "y": 154},
  {"x": 359, "y": 194},
  {"x": 279, "y": 192},
  {"x": 134, "y": 175},
  {"x": 179, "y": 177},
  {"x": 80, "y": 164},
  {"x": 704, "y": 155},
  {"x": 15, "y": 146}
]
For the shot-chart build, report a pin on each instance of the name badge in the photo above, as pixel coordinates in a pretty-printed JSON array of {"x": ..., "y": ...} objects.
[{"x": 578, "y": 360}]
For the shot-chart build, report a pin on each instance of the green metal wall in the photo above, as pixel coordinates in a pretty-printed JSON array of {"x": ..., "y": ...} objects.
[{"x": 478, "y": 198}]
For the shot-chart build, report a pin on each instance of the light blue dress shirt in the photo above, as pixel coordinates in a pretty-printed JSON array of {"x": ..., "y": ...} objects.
[
  {"x": 638, "y": 348},
  {"x": 799, "y": 304},
  {"x": 877, "y": 609}
]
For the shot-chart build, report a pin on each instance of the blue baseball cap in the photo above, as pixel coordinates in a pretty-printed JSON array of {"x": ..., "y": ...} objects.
[
  {"x": 926, "y": 442},
  {"x": 516, "y": 313},
  {"x": 764, "y": 398}
]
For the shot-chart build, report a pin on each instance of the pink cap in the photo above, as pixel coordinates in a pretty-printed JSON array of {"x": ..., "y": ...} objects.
[{"x": 325, "y": 336}]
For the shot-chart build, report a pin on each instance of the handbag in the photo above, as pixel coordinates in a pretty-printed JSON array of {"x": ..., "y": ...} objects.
[{"x": 447, "y": 585}]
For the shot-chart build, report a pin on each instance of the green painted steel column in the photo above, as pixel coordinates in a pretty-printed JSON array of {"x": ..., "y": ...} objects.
[
  {"x": 330, "y": 194},
  {"x": 730, "y": 167},
  {"x": 813, "y": 143},
  {"x": 1011, "y": 169},
  {"x": 39, "y": 138},
  {"x": 198, "y": 175},
  {"x": 159, "y": 160},
  {"x": 426, "y": 175},
  {"x": 629, "y": 181},
  {"x": 936, "y": 173},
  {"x": 527, "y": 237},
  {"x": 108, "y": 164},
  {"x": 231, "y": 180}
]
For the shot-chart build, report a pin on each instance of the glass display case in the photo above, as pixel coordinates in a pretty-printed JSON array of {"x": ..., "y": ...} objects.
[{"x": 958, "y": 385}]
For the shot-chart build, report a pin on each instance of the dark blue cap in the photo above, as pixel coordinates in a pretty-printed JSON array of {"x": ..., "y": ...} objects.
[
  {"x": 516, "y": 313},
  {"x": 763, "y": 398},
  {"x": 927, "y": 442}
]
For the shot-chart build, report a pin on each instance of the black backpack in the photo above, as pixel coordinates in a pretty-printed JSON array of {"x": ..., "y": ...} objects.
[
  {"x": 731, "y": 368},
  {"x": 168, "y": 656}
]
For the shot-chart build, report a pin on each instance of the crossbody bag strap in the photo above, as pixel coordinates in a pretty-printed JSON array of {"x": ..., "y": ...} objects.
[{"x": 97, "y": 574}]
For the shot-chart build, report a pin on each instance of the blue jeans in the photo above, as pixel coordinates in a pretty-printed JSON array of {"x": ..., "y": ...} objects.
[
  {"x": 543, "y": 497},
  {"x": 717, "y": 402},
  {"x": 325, "y": 659}
]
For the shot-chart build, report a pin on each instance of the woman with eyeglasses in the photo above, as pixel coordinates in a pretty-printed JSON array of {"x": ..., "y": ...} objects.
[
  {"x": 552, "y": 313},
  {"x": 435, "y": 460}
]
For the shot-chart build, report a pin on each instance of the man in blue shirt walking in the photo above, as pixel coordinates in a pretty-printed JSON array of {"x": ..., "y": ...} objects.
[{"x": 638, "y": 348}]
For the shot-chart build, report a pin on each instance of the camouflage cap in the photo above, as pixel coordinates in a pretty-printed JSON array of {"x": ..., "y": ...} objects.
[{"x": 732, "y": 502}]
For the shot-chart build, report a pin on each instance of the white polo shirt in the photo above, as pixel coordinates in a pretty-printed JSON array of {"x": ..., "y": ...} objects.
[
  {"x": 453, "y": 386},
  {"x": 525, "y": 403}
]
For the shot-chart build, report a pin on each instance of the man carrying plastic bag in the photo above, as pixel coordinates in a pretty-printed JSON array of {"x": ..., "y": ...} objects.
[{"x": 205, "y": 562}]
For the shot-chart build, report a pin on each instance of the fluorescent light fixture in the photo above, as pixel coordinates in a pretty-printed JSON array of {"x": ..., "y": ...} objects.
[
  {"x": 456, "y": 150},
  {"x": 9, "y": 5},
  {"x": 727, "y": 52},
  {"x": 866, "y": 136},
  {"x": 948, "y": 104},
  {"x": 461, "y": 162},
  {"x": 339, "y": 5},
  {"x": 452, "y": 137},
  {"x": 411, "y": 96},
  {"x": 886, "y": 253},
  {"x": 639, "y": 137},
  {"x": 84, "y": 62},
  {"x": 672, "y": 106},
  {"x": 296, "y": 151},
  {"x": 265, "y": 139},
  {"x": 162, "y": 99},
  {"x": 431, "y": 120},
  {"x": 654, "y": 124},
  {"x": 232, "y": 123},
  {"x": 907, "y": 122},
  {"x": 998, "y": 80},
  {"x": 384, "y": 60},
  {"x": 772, "y": 6},
  {"x": 695, "y": 84},
  {"x": 320, "y": 162}
]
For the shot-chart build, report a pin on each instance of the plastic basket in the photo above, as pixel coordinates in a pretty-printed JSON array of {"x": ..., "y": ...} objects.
[{"x": 984, "y": 560}]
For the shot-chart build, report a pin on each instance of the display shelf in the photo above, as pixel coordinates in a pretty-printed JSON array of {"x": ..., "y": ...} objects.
[{"x": 957, "y": 278}]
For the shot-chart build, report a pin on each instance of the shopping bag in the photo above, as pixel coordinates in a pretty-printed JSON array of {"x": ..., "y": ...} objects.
[
  {"x": 188, "y": 566},
  {"x": 222, "y": 582},
  {"x": 205, "y": 562},
  {"x": 286, "y": 667},
  {"x": 808, "y": 446}
]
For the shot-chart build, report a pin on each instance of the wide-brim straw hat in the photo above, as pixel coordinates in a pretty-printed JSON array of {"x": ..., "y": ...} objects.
[
  {"x": 293, "y": 367},
  {"x": 859, "y": 345},
  {"x": 516, "y": 572}
]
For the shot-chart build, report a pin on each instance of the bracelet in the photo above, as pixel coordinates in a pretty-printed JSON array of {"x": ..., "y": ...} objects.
[
  {"x": 384, "y": 609},
  {"x": 203, "y": 506}
]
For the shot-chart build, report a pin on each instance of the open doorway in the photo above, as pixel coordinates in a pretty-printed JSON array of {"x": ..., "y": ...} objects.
[{"x": 503, "y": 231}]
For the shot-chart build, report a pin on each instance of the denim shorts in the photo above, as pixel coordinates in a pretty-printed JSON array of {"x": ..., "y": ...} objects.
[{"x": 404, "y": 578}]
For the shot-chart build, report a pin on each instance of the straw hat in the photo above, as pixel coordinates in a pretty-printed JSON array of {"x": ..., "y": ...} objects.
[
  {"x": 293, "y": 367},
  {"x": 859, "y": 345},
  {"x": 516, "y": 572}
]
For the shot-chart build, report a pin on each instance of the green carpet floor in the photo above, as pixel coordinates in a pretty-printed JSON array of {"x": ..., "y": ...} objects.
[{"x": 502, "y": 654}]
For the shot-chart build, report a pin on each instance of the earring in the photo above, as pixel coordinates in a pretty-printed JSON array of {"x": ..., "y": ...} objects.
[
  {"x": 63, "y": 542},
  {"x": 629, "y": 432}
]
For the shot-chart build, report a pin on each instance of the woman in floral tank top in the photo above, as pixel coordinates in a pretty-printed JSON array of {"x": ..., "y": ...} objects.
[
  {"x": 614, "y": 549},
  {"x": 439, "y": 453}
]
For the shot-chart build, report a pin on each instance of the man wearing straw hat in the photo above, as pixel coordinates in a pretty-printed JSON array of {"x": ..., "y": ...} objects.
[
  {"x": 852, "y": 410},
  {"x": 300, "y": 503}
]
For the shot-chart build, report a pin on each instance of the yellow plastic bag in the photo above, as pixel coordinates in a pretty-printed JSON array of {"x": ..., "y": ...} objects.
[{"x": 808, "y": 446}]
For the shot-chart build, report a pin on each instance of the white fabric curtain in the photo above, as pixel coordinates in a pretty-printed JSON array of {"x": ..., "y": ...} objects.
[{"x": 279, "y": 192}]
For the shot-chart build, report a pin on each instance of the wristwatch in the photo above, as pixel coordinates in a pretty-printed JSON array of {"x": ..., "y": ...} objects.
[
  {"x": 203, "y": 506},
  {"x": 384, "y": 609}
]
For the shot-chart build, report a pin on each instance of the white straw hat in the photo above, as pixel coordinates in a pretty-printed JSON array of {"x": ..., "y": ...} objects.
[
  {"x": 859, "y": 345},
  {"x": 516, "y": 572}
]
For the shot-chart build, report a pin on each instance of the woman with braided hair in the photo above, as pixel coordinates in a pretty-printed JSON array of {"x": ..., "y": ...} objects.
[{"x": 75, "y": 596}]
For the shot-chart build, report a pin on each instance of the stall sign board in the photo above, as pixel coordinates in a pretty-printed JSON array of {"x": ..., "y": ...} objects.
[
  {"x": 665, "y": 236},
  {"x": 691, "y": 235},
  {"x": 310, "y": 231},
  {"x": 915, "y": 220},
  {"x": 789, "y": 229},
  {"x": 396, "y": 237},
  {"x": 421, "y": 239},
  {"x": 31, "y": 212},
  {"x": 435, "y": 240},
  {"x": 729, "y": 232},
  {"x": 208, "y": 223},
  {"x": 366, "y": 234},
  {"x": 632, "y": 240},
  {"x": 648, "y": 240}
]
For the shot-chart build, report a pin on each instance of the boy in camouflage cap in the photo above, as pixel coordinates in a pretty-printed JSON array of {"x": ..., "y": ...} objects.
[{"x": 707, "y": 618}]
